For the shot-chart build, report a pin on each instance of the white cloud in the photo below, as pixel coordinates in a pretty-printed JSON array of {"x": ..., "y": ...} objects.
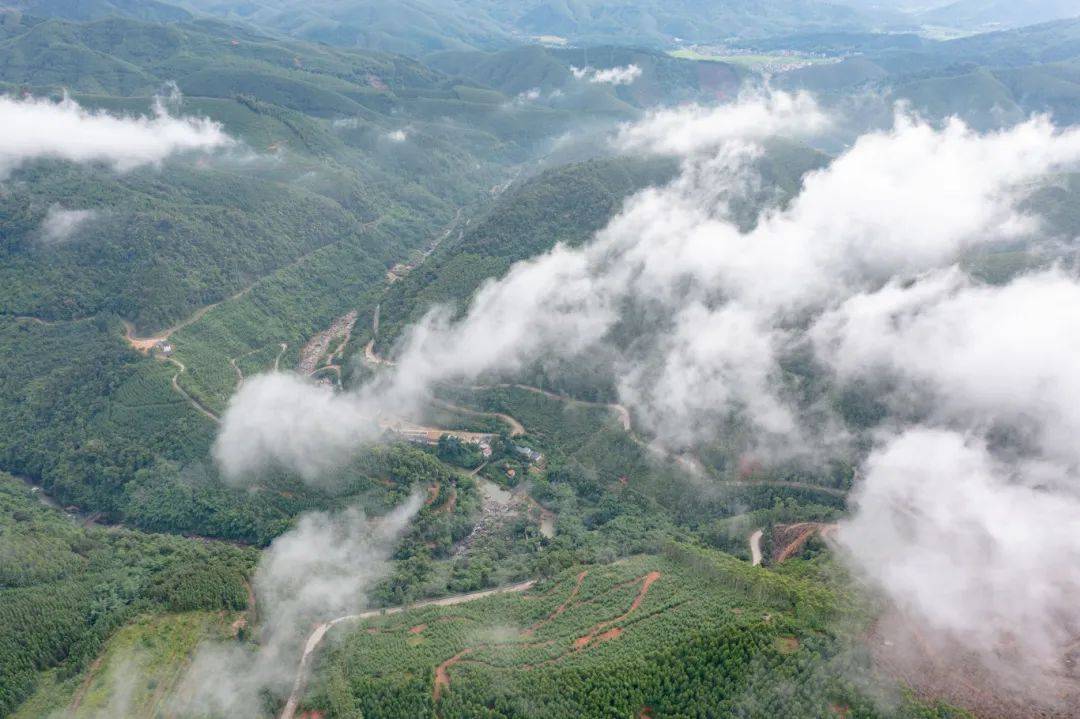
[
  {"x": 283, "y": 419},
  {"x": 617, "y": 75},
  {"x": 36, "y": 128},
  {"x": 859, "y": 271},
  {"x": 397, "y": 136},
  {"x": 60, "y": 225},
  {"x": 982, "y": 358},
  {"x": 897, "y": 202},
  {"x": 696, "y": 129},
  {"x": 609, "y": 76},
  {"x": 955, "y": 540},
  {"x": 317, "y": 572}
]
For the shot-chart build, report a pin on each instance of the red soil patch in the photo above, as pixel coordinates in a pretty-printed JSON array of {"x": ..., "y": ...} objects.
[
  {"x": 313, "y": 714},
  {"x": 601, "y": 632},
  {"x": 442, "y": 672},
  {"x": 789, "y": 539},
  {"x": 594, "y": 633},
  {"x": 839, "y": 710},
  {"x": 645, "y": 713},
  {"x": 612, "y": 633},
  {"x": 787, "y": 645},
  {"x": 417, "y": 629},
  {"x": 433, "y": 495}
]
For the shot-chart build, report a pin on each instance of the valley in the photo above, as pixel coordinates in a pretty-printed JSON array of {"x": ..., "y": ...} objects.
[{"x": 457, "y": 359}]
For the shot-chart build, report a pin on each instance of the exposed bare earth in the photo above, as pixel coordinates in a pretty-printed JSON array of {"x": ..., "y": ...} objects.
[
  {"x": 145, "y": 344},
  {"x": 789, "y": 539},
  {"x": 318, "y": 346}
]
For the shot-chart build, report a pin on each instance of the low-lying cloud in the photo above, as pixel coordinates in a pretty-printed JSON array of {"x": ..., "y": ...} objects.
[
  {"x": 313, "y": 574},
  {"x": 625, "y": 75},
  {"x": 39, "y": 128},
  {"x": 963, "y": 541},
  {"x": 283, "y": 420},
  {"x": 857, "y": 276},
  {"x": 60, "y": 225}
]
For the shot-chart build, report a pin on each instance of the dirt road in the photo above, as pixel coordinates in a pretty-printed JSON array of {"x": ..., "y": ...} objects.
[
  {"x": 183, "y": 393},
  {"x": 517, "y": 429},
  {"x": 620, "y": 410},
  {"x": 319, "y": 632},
  {"x": 145, "y": 344},
  {"x": 755, "y": 548}
]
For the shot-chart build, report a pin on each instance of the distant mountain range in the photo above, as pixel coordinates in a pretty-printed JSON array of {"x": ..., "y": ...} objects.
[
  {"x": 419, "y": 27},
  {"x": 999, "y": 14}
]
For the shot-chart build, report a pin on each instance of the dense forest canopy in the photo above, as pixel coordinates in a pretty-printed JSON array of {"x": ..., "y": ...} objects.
[{"x": 460, "y": 358}]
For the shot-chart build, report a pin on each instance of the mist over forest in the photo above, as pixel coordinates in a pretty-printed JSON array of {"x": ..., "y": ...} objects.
[{"x": 452, "y": 358}]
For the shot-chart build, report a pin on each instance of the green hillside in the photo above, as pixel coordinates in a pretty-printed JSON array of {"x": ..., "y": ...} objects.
[
  {"x": 685, "y": 633},
  {"x": 419, "y": 27},
  {"x": 990, "y": 80},
  {"x": 65, "y": 588},
  {"x": 229, "y": 257},
  {"x": 568, "y": 205},
  {"x": 563, "y": 558}
]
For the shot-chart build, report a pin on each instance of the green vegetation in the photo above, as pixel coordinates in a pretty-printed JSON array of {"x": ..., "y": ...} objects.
[
  {"x": 371, "y": 183},
  {"x": 231, "y": 257},
  {"x": 687, "y": 633},
  {"x": 138, "y": 671},
  {"x": 418, "y": 28},
  {"x": 989, "y": 80},
  {"x": 548, "y": 74},
  {"x": 64, "y": 589},
  {"x": 567, "y": 204}
]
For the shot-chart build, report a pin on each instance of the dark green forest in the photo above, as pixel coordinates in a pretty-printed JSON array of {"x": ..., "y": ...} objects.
[{"x": 65, "y": 588}]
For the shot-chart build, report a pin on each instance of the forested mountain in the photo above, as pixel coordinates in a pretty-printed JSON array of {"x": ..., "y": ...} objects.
[
  {"x": 345, "y": 162},
  {"x": 419, "y": 27},
  {"x": 982, "y": 15},
  {"x": 464, "y": 358},
  {"x": 990, "y": 80}
]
